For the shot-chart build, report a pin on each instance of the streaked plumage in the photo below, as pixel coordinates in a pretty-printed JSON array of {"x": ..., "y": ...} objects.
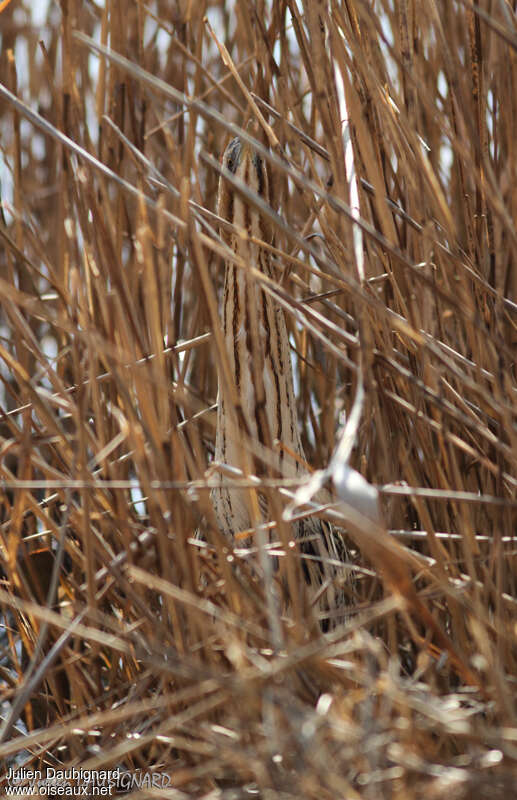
[{"x": 257, "y": 346}]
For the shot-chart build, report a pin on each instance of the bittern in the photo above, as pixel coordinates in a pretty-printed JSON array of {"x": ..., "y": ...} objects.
[{"x": 258, "y": 353}]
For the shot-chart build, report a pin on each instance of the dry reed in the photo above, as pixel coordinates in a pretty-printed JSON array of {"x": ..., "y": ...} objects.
[{"x": 130, "y": 642}]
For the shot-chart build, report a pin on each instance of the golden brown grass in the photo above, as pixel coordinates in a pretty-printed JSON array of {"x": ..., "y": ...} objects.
[{"x": 128, "y": 642}]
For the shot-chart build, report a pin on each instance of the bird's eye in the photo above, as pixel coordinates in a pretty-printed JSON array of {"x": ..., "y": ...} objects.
[{"x": 233, "y": 153}]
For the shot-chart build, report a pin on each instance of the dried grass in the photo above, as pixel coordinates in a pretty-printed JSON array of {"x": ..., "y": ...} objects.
[{"x": 128, "y": 642}]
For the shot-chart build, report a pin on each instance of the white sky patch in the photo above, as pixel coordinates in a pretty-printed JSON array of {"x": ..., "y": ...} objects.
[
  {"x": 49, "y": 346},
  {"x": 38, "y": 147},
  {"x": 446, "y": 159},
  {"x": 351, "y": 175},
  {"x": 137, "y": 498},
  {"x": 6, "y": 187},
  {"x": 93, "y": 67},
  {"x": 490, "y": 109},
  {"x": 443, "y": 86},
  {"x": 21, "y": 58},
  {"x": 5, "y": 372},
  {"x": 39, "y": 12},
  {"x": 162, "y": 45}
]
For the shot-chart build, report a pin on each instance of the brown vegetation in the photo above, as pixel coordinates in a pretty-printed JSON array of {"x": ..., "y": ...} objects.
[{"x": 130, "y": 642}]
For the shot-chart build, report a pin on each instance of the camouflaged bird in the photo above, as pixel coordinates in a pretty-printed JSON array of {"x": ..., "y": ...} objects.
[{"x": 258, "y": 352}]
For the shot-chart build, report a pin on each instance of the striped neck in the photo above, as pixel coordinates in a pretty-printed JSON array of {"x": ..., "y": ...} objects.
[{"x": 257, "y": 346}]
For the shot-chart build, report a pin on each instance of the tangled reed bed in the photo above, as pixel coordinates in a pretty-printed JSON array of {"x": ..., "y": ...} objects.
[{"x": 130, "y": 642}]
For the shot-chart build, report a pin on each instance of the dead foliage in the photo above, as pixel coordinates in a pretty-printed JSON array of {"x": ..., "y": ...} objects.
[{"x": 129, "y": 640}]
